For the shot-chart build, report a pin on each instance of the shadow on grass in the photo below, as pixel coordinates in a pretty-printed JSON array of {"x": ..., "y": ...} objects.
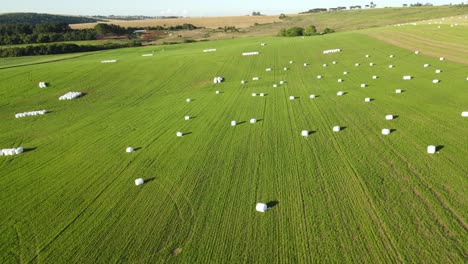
[
  {"x": 149, "y": 180},
  {"x": 272, "y": 204}
]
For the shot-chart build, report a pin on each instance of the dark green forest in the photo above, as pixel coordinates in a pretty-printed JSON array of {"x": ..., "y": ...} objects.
[{"x": 34, "y": 18}]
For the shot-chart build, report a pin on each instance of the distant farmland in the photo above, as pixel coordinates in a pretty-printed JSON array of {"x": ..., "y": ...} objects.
[
  {"x": 350, "y": 196},
  {"x": 208, "y": 22}
]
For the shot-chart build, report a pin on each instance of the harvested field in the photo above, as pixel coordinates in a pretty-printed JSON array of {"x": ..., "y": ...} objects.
[{"x": 208, "y": 22}]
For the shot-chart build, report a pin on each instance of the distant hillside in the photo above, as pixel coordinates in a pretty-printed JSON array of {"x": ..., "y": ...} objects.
[{"x": 34, "y": 18}]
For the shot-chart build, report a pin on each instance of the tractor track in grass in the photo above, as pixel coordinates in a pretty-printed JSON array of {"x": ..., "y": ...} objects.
[
  {"x": 445, "y": 230},
  {"x": 431, "y": 190},
  {"x": 191, "y": 219},
  {"x": 70, "y": 223},
  {"x": 380, "y": 225},
  {"x": 52, "y": 61}
]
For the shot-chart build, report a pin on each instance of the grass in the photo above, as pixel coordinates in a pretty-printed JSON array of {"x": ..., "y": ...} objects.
[
  {"x": 446, "y": 41},
  {"x": 352, "y": 196}
]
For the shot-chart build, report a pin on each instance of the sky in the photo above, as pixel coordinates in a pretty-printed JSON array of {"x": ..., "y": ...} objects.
[{"x": 191, "y": 8}]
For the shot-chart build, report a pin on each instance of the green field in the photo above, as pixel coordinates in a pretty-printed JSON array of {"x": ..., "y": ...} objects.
[{"x": 352, "y": 196}]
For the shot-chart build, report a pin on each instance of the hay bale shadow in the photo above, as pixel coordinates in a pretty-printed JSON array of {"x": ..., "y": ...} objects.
[{"x": 272, "y": 204}]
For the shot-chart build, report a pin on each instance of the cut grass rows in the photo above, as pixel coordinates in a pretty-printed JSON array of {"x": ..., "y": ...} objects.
[{"x": 352, "y": 196}]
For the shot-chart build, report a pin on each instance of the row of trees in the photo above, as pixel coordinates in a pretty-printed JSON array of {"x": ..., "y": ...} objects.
[
  {"x": 58, "y": 32},
  {"x": 317, "y": 10},
  {"x": 184, "y": 26},
  {"x": 42, "y": 33},
  {"x": 34, "y": 18},
  {"x": 300, "y": 31},
  {"x": 60, "y": 48}
]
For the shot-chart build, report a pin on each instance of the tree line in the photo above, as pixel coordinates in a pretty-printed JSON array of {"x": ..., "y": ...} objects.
[
  {"x": 34, "y": 18},
  {"x": 184, "y": 26},
  {"x": 300, "y": 31},
  {"x": 60, "y": 48},
  {"x": 12, "y": 34}
]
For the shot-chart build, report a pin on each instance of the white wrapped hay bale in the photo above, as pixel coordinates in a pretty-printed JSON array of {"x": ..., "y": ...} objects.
[
  {"x": 281, "y": 82},
  {"x": 464, "y": 114},
  {"x": 19, "y": 150},
  {"x": 305, "y": 64},
  {"x": 336, "y": 129},
  {"x": 261, "y": 207},
  {"x": 325, "y": 65},
  {"x": 139, "y": 181},
  {"x": 416, "y": 52},
  {"x": 426, "y": 65},
  {"x": 390, "y": 66},
  {"x": 268, "y": 69},
  {"x": 129, "y": 150},
  {"x": 255, "y": 79},
  {"x": 407, "y": 77},
  {"x": 363, "y": 85},
  {"x": 367, "y": 55},
  {"x": 367, "y": 99},
  {"x": 31, "y": 113},
  {"x": 262, "y": 94},
  {"x": 11, "y": 151},
  {"x": 392, "y": 56},
  {"x": 253, "y": 121},
  {"x": 356, "y": 64},
  {"x": 254, "y": 94},
  {"x": 435, "y": 81},
  {"x": 188, "y": 100},
  {"x": 291, "y": 97},
  {"x": 371, "y": 64},
  {"x": 187, "y": 117},
  {"x": 389, "y": 117},
  {"x": 304, "y": 133},
  {"x": 233, "y": 123},
  {"x": 398, "y": 91},
  {"x": 345, "y": 73},
  {"x": 386, "y": 131},
  {"x": 340, "y": 80},
  {"x": 340, "y": 93},
  {"x": 431, "y": 149},
  {"x": 441, "y": 58},
  {"x": 438, "y": 71},
  {"x": 285, "y": 68},
  {"x": 291, "y": 62},
  {"x": 319, "y": 76},
  {"x": 312, "y": 96},
  {"x": 242, "y": 82},
  {"x": 251, "y": 53},
  {"x": 334, "y": 62},
  {"x": 179, "y": 134},
  {"x": 375, "y": 77},
  {"x": 217, "y": 92},
  {"x": 70, "y": 95},
  {"x": 275, "y": 85}
]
